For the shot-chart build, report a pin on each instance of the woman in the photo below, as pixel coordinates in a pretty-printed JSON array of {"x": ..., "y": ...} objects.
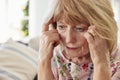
[{"x": 83, "y": 45}]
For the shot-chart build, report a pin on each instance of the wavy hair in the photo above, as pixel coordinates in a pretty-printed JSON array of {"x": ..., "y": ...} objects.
[{"x": 92, "y": 12}]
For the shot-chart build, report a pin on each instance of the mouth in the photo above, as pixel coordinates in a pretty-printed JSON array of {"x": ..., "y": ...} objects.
[{"x": 72, "y": 48}]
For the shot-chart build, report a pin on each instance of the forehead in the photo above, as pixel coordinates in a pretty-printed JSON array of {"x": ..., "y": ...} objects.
[
  {"x": 72, "y": 24},
  {"x": 71, "y": 19}
]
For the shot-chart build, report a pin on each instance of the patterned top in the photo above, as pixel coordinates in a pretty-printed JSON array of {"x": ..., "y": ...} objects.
[{"x": 63, "y": 69}]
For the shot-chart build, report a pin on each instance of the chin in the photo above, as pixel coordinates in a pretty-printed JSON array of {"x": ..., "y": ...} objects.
[{"x": 73, "y": 54}]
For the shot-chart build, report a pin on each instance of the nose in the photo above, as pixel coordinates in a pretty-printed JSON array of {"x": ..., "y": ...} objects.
[{"x": 70, "y": 36}]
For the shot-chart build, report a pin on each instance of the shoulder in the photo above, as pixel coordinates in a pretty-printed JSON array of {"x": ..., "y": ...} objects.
[
  {"x": 116, "y": 53},
  {"x": 57, "y": 54},
  {"x": 115, "y": 65},
  {"x": 57, "y": 59},
  {"x": 115, "y": 58}
]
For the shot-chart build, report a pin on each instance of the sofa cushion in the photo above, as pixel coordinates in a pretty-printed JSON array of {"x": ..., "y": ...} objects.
[{"x": 17, "y": 61}]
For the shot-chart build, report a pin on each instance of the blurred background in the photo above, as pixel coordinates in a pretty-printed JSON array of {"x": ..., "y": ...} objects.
[{"x": 20, "y": 19}]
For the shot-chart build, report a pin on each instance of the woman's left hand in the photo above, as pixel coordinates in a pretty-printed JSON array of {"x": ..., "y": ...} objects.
[{"x": 98, "y": 47}]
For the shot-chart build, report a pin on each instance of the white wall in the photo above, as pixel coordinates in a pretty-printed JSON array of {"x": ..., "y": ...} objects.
[
  {"x": 3, "y": 21},
  {"x": 37, "y": 11}
]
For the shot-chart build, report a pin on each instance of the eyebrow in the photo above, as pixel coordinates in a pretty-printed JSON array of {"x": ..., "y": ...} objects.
[{"x": 83, "y": 24}]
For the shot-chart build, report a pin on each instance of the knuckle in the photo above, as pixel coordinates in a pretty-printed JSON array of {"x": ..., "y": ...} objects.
[
  {"x": 89, "y": 37},
  {"x": 47, "y": 38}
]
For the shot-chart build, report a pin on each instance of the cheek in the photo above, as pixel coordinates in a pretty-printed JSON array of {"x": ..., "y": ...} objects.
[
  {"x": 81, "y": 39},
  {"x": 82, "y": 42},
  {"x": 85, "y": 44}
]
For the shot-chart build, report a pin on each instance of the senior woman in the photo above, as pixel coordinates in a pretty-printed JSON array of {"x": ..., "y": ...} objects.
[{"x": 83, "y": 45}]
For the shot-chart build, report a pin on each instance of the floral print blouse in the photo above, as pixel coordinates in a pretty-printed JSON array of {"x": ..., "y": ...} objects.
[{"x": 63, "y": 69}]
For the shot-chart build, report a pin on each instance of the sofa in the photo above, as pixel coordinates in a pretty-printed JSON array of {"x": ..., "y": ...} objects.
[{"x": 18, "y": 61}]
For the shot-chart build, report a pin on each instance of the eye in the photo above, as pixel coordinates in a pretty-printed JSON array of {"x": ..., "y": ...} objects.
[
  {"x": 79, "y": 29},
  {"x": 61, "y": 27}
]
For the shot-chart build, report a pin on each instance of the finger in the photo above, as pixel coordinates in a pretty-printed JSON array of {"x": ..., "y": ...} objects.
[
  {"x": 51, "y": 36},
  {"x": 51, "y": 27},
  {"x": 55, "y": 36},
  {"x": 46, "y": 25},
  {"x": 92, "y": 32},
  {"x": 56, "y": 41},
  {"x": 89, "y": 38},
  {"x": 45, "y": 28}
]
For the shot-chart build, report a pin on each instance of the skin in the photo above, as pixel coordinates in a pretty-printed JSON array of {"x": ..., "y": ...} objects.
[
  {"x": 83, "y": 43},
  {"x": 74, "y": 43}
]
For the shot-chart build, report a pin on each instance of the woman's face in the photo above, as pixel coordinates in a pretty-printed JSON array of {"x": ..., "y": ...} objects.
[{"x": 73, "y": 40}]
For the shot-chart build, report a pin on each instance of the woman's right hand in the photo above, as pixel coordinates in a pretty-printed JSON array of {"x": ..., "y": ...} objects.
[{"x": 48, "y": 40}]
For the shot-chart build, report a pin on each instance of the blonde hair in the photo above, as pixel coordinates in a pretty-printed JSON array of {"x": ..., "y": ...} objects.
[{"x": 92, "y": 12}]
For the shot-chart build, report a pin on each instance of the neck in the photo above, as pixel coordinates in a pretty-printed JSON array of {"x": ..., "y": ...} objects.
[{"x": 78, "y": 60}]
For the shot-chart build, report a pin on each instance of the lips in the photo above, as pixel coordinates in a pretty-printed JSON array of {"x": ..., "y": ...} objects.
[{"x": 72, "y": 48}]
